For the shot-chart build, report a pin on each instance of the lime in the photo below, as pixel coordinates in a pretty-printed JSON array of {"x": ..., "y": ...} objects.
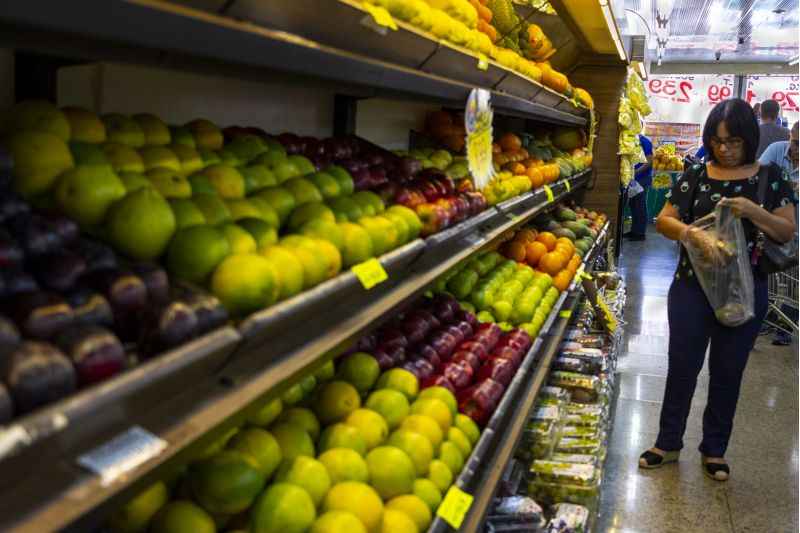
[
  {"x": 283, "y": 508},
  {"x": 134, "y": 516},
  {"x": 360, "y": 369},
  {"x": 182, "y": 516},
  {"x": 239, "y": 239},
  {"x": 141, "y": 224},
  {"x": 391, "y": 471},
  {"x": 400, "y": 380},
  {"x": 307, "y": 473},
  {"x": 416, "y": 446},
  {"x": 390, "y": 404},
  {"x": 267, "y": 413},
  {"x": 342, "y": 436},
  {"x": 227, "y": 482},
  {"x": 427, "y": 491},
  {"x": 261, "y": 446},
  {"x": 186, "y": 212},
  {"x": 395, "y": 521},
  {"x": 338, "y": 522},
  {"x": 435, "y": 409},
  {"x": 335, "y": 400},
  {"x": 244, "y": 283},
  {"x": 370, "y": 424},
  {"x": 344, "y": 464},
  {"x": 359, "y": 499},
  {"x": 293, "y": 440},
  {"x": 304, "y": 418},
  {"x": 196, "y": 251},
  {"x": 264, "y": 234}
]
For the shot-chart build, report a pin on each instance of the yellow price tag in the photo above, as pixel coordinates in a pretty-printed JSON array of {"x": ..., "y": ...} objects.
[
  {"x": 381, "y": 16},
  {"x": 454, "y": 507},
  {"x": 566, "y": 313},
  {"x": 568, "y": 185},
  {"x": 370, "y": 273},
  {"x": 549, "y": 193},
  {"x": 483, "y": 62}
]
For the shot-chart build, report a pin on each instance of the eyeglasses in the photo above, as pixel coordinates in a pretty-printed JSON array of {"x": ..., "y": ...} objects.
[{"x": 731, "y": 143}]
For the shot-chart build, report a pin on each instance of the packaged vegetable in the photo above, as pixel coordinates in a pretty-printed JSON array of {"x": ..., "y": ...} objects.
[
  {"x": 569, "y": 518},
  {"x": 547, "y": 412},
  {"x": 558, "y": 472},
  {"x": 563, "y": 457},
  {"x": 578, "y": 445},
  {"x": 554, "y": 392},
  {"x": 521, "y": 506},
  {"x": 583, "y": 420},
  {"x": 583, "y": 389},
  {"x": 541, "y": 436},
  {"x": 553, "y": 482},
  {"x": 580, "y": 432}
]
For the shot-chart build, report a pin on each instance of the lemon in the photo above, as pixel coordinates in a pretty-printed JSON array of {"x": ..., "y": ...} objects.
[
  {"x": 413, "y": 507},
  {"x": 283, "y": 508},
  {"x": 134, "y": 516},
  {"x": 244, "y": 283},
  {"x": 400, "y": 380},
  {"x": 342, "y": 436},
  {"x": 370, "y": 425},
  {"x": 435, "y": 409},
  {"x": 182, "y": 516},
  {"x": 338, "y": 522},
  {"x": 307, "y": 473},
  {"x": 391, "y": 471},
  {"x": 390, "y": 404},
  {"x": 359, "y": 499},
  {"x": 440, "y": 393},
  {"x": 440, "y": 474},
  {"x": 360, "y": 369},
  {"x": 227, "y": 482},
  {"x": 426, "y": 426},
  {"x": 344, "y": 464},
  {"x": 397, "y": 522},
  {"x": 335, "y": 400},
  {"x": 416, "y": 446},
  {"x": 427, "y": 491}
]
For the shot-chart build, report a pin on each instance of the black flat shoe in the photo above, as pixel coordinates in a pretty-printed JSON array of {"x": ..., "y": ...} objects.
[
  {"x": 716, "y": 471},
  {"x": 651, "y": 459}
]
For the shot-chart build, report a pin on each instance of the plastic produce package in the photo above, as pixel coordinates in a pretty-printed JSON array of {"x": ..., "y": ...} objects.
[
  {"x": 569, "y": 518},
  {"x": 584, "y": 389},
  {"x": 717, "y": 248},
  {"x": 542, "y": 437},
  {"x": 554, "y": 482}
]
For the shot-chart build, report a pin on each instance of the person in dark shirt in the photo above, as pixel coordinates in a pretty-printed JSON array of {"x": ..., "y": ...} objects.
[
  {"x": 770, "y": 130},
  {"x": 729, "y": 177},
  {"x": 643, "y": 172}
]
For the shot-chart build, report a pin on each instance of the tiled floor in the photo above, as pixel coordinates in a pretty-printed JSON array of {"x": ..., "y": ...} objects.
[{"x": 762, "y": 494}]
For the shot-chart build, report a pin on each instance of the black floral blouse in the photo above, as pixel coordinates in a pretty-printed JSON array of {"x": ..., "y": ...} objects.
[{"x": 710, "y": 191}]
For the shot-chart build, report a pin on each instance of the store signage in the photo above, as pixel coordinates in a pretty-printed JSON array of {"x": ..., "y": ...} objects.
[
  {"x": 478, "y": 118},
  {"x": 686, "y": 99},
  {"x": 783, "y": 89}
]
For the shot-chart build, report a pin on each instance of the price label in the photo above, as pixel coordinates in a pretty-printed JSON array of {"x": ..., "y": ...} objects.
[
  {"x": 122, "y": 454},
  {"x": 483, "y": 62},
  {"x": 549, "y": 193},
  {"x": 454, "y": 507},
  {"x": 566, "y": 313},
  {"x": 380, "y": 16},
  {"x": 370, "y": 273},
  {"x": 568, "y": 185}
]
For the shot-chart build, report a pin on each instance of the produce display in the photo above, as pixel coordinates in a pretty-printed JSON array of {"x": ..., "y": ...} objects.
[
  {"x": 633, "y": 107},
  {"x": 665, "y": 158},
  {"x": 75, "y": 313},
  {"x": 493, "y": 29}
]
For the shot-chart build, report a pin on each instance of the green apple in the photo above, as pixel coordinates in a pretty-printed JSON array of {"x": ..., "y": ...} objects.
[
  {"x": 272, "y": 158},
  {"x": 326, "y": 184},
  {"x": 501, "y": 309},
  {"x": 285, "y": 170},
  {"x": 123, "y": 158},
  {"x": 159, "y": 157},
  {"x": 343, "y": 177},
  {"x": 186, "y": 213},
  {"x": 141, "y": 224},
  {"x": 485, "y": 316},
  {"x": 239, "y": 239},
  {"x": 242, "y": 208},
  {"x": 226, "y": 180},
  {"x": 213, "y": 208},
  {"x": 247, "y": 147},
  {"x": 88, "y": 154},
  {"x": 190, "y": 159},
  {"x": 133, "y": 180},
  {"x": 86, "y": 192},
  {"x": 156, "y": 133},
  {"x": 370, "y": 202},
  {"x": 169, "y": 183},
  {"x": 267, "y": 212},
  {"x": 124, "y": 130}
]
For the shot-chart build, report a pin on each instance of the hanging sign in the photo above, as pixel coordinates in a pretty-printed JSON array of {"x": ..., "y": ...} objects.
[
  {"x": 783, "y": 89},
  {"x": 686, "y": 99},
  {"x": 478, "y": 117}
]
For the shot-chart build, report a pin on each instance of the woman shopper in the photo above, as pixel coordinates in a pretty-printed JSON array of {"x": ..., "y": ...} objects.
[{"x": 731, "y": 176}]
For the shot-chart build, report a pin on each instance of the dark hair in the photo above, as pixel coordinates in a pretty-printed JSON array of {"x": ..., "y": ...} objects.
[
  {"x": 770, "y": 109},
  {"x": 739, "y": 120}
]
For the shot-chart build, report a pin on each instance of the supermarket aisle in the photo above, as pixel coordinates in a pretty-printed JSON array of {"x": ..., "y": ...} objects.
[{"x": 762, "y": 492}]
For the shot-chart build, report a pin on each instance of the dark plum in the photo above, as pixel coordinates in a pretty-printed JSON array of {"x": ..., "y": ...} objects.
[
  {"x": 168, "y": 326},
  {"x": 41, "y": 315},
  {"x": 95, "y": 352},
  {"x": 38, "y": 374},
  {"x": 156, "y": 280},
  {"x": 59, "y": 271},
  {"x": 90, "y": 308}
]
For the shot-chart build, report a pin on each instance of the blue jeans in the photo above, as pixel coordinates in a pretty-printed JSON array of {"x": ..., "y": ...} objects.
[
  {"x": 638, "y": 206},
  {"x": 692, "y": 325}
]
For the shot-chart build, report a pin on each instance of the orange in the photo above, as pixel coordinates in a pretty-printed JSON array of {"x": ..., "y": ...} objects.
[
  {"x": 525, "y": 235},
  {"x": 567, "y": 243},
  {"x": 518, "y": 168},
  {"x": 562, "y": 280},
  {"x": 515, "y": 250},
  {"x": 574, "y": 263},
  {"x": 548, "y": 239},
  {"x": 510, "y": 142},
  {"x": 536, "y": 177},
  {"x": 551, "y": 263},
  {"x": 534, "y": 252}
]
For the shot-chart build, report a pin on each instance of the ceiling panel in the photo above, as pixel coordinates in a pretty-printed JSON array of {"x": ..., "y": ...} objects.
[{"x": 695, "y": 30}]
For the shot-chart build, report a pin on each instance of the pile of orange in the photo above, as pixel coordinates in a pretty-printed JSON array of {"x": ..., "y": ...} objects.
[
  {"x": 545, "y": 252},
  {"x": 509, "y": 155}
]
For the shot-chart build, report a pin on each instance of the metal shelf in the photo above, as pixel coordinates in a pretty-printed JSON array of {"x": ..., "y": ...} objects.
[
  {"x": 174, "y": 35},
  {"x": 190, "y": 395},
  {"x": 494, "y": 450}
]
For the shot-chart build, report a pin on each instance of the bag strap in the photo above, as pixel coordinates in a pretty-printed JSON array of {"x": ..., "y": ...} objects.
[
  {"x": 694, "y": 184},
  {"x": 763, "y": 182}
]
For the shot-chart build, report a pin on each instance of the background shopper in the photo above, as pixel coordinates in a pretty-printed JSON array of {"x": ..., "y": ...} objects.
[
  {"x": 731, "y": 175},
  {"x": 638, "y": 204},
  {"x": 770, "y": 130}
]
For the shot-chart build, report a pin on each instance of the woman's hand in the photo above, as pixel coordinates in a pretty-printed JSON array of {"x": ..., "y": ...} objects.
[
  {"x": 743, "y": 207},
  {"x": 711, "y": 248}
]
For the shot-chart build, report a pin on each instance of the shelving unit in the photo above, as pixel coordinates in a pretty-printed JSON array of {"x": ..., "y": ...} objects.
[{"x": 190, "y": 395}]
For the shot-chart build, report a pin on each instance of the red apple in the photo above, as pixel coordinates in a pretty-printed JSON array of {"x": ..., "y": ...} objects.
[
  {"x": 447, "y": 183},
  {"x": 500, "y": 370},
  {"x": 490, "y": 331},
  {"x": 465, "y": 185},
  {"x": 459, "y": 374},
  {"x": 409, "y": 197},
  {"x": 469, "y": 357},
  {"x": 475, "y": 347},
  {"x": 512, "y": 354},
  {"x": 427, "y": 315},
  {"x": 483, "y": 400},
  {"x": 433, "y": 218},
  {"x": 438, "y": 381},
  {"x": 416, "y": 328},
  {"x": 444, "y": 344}
]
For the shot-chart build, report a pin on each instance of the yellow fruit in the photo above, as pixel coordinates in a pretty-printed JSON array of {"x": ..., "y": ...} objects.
[
  {"x": 359, "y": 369},
  {"x": 391, "y": 471},
  {"x": 332, "y": 256},
  {"x": 469, "y": 427},
  {"x": 190, "y": 159},
  {"x": 441, "y": 476},
  {"x": 426, "y": 426},
  {"x": 36, "y": 115},
  {"x": 263, "y": 234},
  {"x": 244, "y": 283},
  {"x": 457, "y": 437},
  {"x": 304, "y": 418},
  {"x": 435, "y": 409},
  {"x": 427, "y": 491},
  {"x": 357, "y": 245},
  {"x": 335, "y": 400},
  {"x": 85, "y": 193},
  {"x": 359, "y": 499},
  {"x": 307, "y": 473},
  {"x": 158, "y": 157},
  {"x": 342, "y": 436},
  {"x": 267, "y": 413},
  {"x": 225, "y": 179},
  {"x": 416, "y": 446},
  {"x": 227, "y": 482},
  {"x": 370, "y": 424},
  {"x": 344, "y": 464},
  {"x": 39, "y": 158},
  {"x": 293, "y": 440},
  {"x": 282, "y": 508},
  {"x": 413, "y": 507},
  {"x": 156, "y": 133},
  {"x": 135, "y": 515},
  {"x": 239, "y": 240},
  {"x": 450, "y": 455},
  {"x": 124, "y": 130},
  {"x": 84, "y": 125},
  {"x": 400, "y": 380},
  {"x": 440, "y": 393},
  {"x": 397, "y": 522},
  {"x": 169, "y": 182},
  {"x": 187, "y": 214},
  {"x": 315, "y": 268},
  {"x": 288, "y": 269},
  {"x": 196, "y": 251},
  {"x": 261, "y": 446},
  {"x": 141, "y": 224},
  {"x": 206, "y": 134},
  {"x": 390, "y": 404},
  {"x": 338, "y": 522},
  {"x": 123, "y": 158},
  {"x": 182, "y": 516}
]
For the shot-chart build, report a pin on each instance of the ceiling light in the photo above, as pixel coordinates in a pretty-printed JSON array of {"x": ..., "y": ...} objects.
[{"x": 612, "y": 29}]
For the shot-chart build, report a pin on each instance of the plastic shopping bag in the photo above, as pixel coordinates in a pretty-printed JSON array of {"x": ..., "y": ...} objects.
[
  {"x": 635, "y": 189},
  {"x": 718, "y": 251}
]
